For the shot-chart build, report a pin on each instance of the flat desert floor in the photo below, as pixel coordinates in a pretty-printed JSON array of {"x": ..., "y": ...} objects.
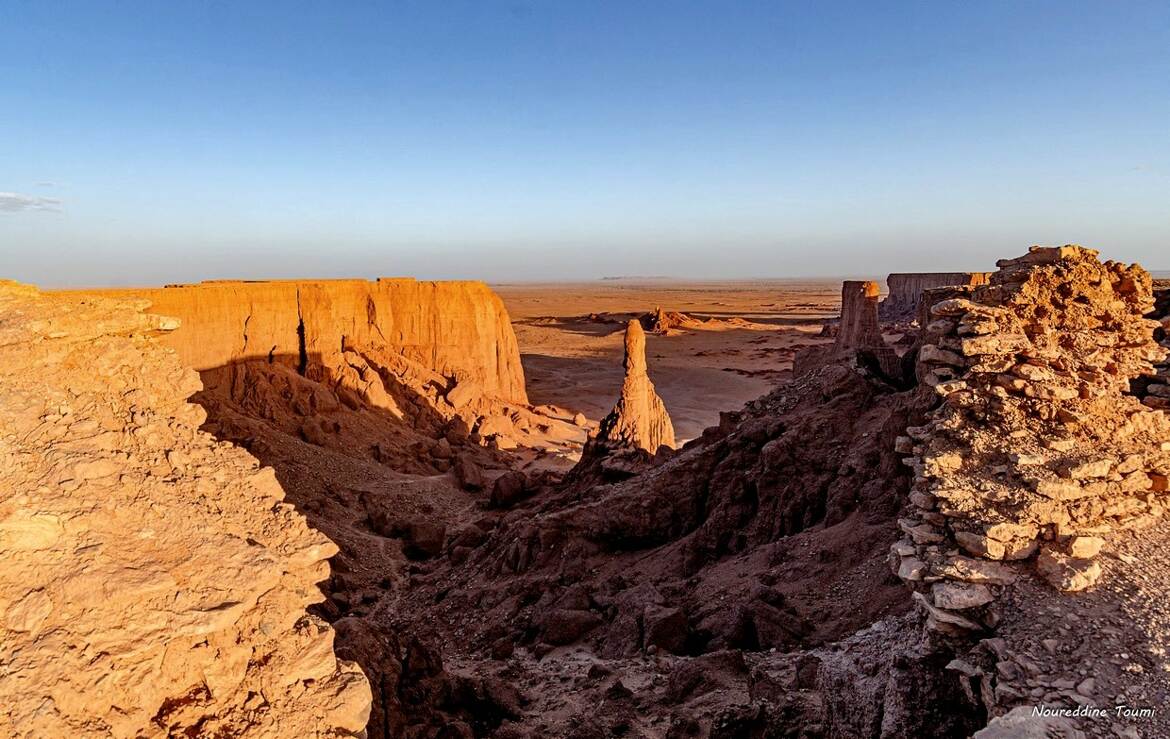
[{"x": 570, "y": 337}]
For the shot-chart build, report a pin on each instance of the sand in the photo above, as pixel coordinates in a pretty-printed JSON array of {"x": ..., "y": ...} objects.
[{"x": 570, "y": 337}]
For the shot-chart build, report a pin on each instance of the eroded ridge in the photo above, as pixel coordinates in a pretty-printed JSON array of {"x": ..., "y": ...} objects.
[
  {"x": 152, "y": 580},
  {"x": 906, "y": 289}
]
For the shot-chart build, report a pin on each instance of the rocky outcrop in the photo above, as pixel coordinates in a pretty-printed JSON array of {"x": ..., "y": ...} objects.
[
  {"x": 459, "y": 330},
  {"x": 1154, "y": 390},
  {"x": 422, "y": 377},
  {"x": 152, "y": 580},
  {"x": 858, "y": 338},
  {"x": 639, "y": 419},
  {"x": 1037, "y": 452},
  {"x": 668, "y": 322},
  {"x": 906, "y": 288}
]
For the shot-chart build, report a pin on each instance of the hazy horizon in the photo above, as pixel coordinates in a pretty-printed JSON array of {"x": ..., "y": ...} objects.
[{"x": 509, "y": 142}]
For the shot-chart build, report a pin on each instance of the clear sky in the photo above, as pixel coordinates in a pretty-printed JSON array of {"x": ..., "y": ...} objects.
[{"x": 146, "y": 142}]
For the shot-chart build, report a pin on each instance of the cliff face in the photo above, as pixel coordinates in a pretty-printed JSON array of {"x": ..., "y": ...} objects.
[
  {"x": 460, "y": 330},
  {"x": 152, "y": 580},
  {"x": 906, "y": 289},
  {"x": 859, "y": 337}
]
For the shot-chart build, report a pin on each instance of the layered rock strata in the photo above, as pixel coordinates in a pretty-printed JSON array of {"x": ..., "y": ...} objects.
[
  {"x": 639, "y": 419},
  {"x": 859, "y": 336},
  {"x": 1036, "y": 451},
  {"x": 152, "y": 580},
  {"x": 906, "y": 288},
  {"x": 459, "y": 330},
  {"x": 423, "y": 377}
]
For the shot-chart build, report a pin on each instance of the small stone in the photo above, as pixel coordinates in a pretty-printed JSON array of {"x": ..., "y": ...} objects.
[
  {"x": 1085, "y": 547},
  {"x": 1065, "y": 573},
  {"x": 980, "y": 546},
  {"x": 957, "y": 596},
  {"x": 912, "y": 569},
  {"x": 1087, "y": 470},
  {"x": 977, "y": 570}
]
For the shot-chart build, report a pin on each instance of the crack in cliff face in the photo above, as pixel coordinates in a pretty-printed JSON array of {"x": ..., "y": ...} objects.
[
  {"x": 303, "y": 355},
  {"x": 372, "y": 317},
  {"x": 244, "y": 348}
]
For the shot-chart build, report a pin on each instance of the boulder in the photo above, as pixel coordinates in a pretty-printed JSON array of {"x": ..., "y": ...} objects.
[{"x": 509, "y": 489}]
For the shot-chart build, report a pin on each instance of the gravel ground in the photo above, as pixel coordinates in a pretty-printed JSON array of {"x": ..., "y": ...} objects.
[{"x": 1105, "y": 648}]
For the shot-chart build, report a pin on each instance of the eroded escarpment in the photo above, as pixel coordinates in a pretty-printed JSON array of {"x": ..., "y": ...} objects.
[
  {"x": 422, "y": 377},
  {"x": 456, "y": 329},
  {"x": 153, "y": 581},
  {"x": 858, "y": 337},
  {"x": 906, "y": 289}
]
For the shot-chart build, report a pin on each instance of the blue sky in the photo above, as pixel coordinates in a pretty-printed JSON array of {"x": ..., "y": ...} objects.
[{"x": 152, "y": 142}]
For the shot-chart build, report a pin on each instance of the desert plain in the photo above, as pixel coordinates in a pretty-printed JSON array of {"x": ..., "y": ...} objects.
[{"x": 744, "y": 336}]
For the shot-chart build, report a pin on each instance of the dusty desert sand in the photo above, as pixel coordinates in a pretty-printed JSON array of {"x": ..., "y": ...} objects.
[{"x": 570, "y": 337}]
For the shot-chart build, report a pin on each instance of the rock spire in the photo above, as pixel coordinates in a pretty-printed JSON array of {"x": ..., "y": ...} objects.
[{"x": 639, "y": 419}]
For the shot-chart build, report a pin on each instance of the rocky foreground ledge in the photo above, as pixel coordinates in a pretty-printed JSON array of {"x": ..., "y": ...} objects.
[{"x": 152, "y": 581}]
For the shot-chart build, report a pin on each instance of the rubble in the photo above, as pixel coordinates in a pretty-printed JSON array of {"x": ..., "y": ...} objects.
[{"x": 1036, "y": 450}]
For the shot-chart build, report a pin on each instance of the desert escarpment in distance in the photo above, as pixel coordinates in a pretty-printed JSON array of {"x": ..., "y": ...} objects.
[{"x": 457, "y": 329}]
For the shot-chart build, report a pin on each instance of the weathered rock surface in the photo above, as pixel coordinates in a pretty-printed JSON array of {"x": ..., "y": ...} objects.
[
  {"x": 639, "y": 419},
  {"x": 1037, "y": 452},
  {"x": 858, "y": 339},
  {"x": 459, "y": 330},
  {"x": 906, "y": 288},
  {"x": 152, "y": 580}
]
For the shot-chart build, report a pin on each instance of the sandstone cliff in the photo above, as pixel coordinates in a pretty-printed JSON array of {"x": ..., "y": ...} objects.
[
  {"x": 459, "y": 330},
  {"x": 859, "y": 336},
  {"x": 152, "y": 581},
  {"x": 906, "y": 288}
]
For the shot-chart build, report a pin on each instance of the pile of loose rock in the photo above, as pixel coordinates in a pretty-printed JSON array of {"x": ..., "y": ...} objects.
[
  {"x": 1156, "y": 389},
  {"x": 1036, "y": 452}
]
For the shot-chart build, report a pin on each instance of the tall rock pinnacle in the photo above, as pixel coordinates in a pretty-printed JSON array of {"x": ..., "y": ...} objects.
[{"x": 639, "y": 419}]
